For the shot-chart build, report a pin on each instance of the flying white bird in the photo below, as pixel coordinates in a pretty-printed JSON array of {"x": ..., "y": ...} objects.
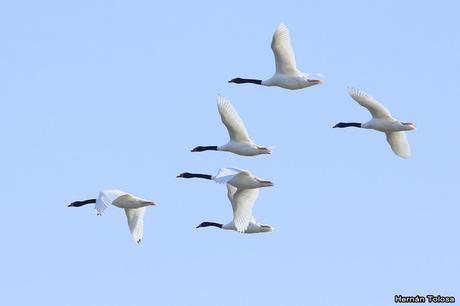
[
  {"x": 382, "y": 121},
  {"x": 242, "y": 201},
  {"x": 239, "y": 143},
  {"x": 287, "y": 75},
  {"x": 134, "y": 208},
  {"x": 236, "y": 177}
]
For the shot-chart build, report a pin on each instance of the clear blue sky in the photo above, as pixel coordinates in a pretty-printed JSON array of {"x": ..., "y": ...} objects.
[{"x": 114, "y": 94}]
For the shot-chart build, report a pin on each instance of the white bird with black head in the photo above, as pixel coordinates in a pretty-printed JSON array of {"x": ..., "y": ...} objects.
[
  {"x": 236, "y": 177},
  {"x": 286, "y": 75},
  {"x": 240, "y": 143},
  {"x": 382, "y": 121},
  {"x": 242, "y": 201},
  {"x": 134, "y": 208}
]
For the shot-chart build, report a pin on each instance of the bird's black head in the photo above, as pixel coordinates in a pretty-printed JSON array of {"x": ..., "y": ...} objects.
[
  {"x": 206, "y": 224},
  {"x": 185, "y": 175},
  {"x": 196, "y": 149},
  {"x": 339, "y": 125},
  {"x": 235, "y": 80}
]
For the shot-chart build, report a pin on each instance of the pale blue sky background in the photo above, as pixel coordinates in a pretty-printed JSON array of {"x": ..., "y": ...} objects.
[{"x": 114, "y": 94}]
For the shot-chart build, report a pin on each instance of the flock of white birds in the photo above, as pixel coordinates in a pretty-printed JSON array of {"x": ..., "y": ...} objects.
[{"x": 242, "y": 186}]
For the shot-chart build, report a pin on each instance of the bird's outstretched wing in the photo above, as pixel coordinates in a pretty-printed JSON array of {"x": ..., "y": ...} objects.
[
  {"x": 135, "y": 218},
  {"x": 232, "y": 121},
  {"x": 399, "y": 144},
  {"x": 243, "y": 201},
  {"x": 230, "y": 193},
  {"x": 105, "y": 199},
  {"x": 282, "y": 49},
  {"x": 226, "y": 174},
  {"x": 376, "y": 109}
]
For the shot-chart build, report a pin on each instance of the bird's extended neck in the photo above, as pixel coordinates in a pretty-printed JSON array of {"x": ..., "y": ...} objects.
[
  {"x": 203, "y": 176},
  {"x": 204, "y": 148},
  {"x": 198, "y": 175},
  {"x": 206, "y": 224},
  {"x": 241, "y": 81},
  {"x": 347, "y": 124},
  {"x": 81, "y": 203}
]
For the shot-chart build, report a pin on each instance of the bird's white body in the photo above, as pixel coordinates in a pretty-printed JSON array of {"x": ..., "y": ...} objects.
[
  {"x": 290, "y": 81},
  {"x": 383, "y": 121},
  {"x": 240, "y": 143},
  {"x": 385, "y": 125},
  {"x": 253, "y": 227},
  {"x": 240, "y": 178},
  {"x": 287, "y": 75},
  {"x": 134, "y": 208},
  {"x": 244, "y": 149}
]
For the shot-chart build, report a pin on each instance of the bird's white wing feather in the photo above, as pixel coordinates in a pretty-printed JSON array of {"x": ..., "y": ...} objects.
[
  {"x": 243, "y": 201},
  {"x": 135, "y": 218},
  {"x": 105, "y": 199},
  {"x": 230, "y": 193},
  {"x": 232, "y": 121},
  {"x": 226, "y": 174},
  {"x": 282, "y": 49},
  {"x": 399, "y": 144},
  {"x": 376, "y": 109}
]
